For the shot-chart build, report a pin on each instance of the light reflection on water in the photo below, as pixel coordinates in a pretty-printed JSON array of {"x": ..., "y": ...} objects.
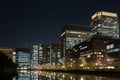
[{"x": 40, "y": 75}]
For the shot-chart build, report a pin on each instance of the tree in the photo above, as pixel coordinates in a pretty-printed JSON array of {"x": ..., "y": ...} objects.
[
  {"x": 81, "y": 62},
  {"x": 5, "y": 61},
  {"x": 91, "y": 64}
]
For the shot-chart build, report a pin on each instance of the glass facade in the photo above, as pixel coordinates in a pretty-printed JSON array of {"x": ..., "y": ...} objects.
[
  {"x": 106, "y": 24},
  {"x": 53, "y": 53},
  {"x": 37, "y": 56},
  {"x": 23, "y": 57},
  {"x": 72, "y": 35},
  {"x": 72, "y": 41},
  {"x": 113, "y": 51}
]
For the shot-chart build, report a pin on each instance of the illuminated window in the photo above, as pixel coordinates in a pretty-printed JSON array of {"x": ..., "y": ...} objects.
[
  {"x": 99, "y": 52},
  {"x": 79, "y": 35},
  {"x": 111, "y": 46},
  {"x": 40, "y": 48},
  {"x": 88, "y": 56},
  {"x": 107, "y": 47},
  {"x": 102, "y": 56}
]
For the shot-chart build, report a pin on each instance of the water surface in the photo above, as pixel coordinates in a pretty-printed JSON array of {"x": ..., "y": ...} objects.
[{"x": 41, "y": 75}]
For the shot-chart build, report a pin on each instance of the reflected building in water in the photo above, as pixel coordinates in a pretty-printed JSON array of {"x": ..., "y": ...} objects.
[{"x": 61, "y": 76}]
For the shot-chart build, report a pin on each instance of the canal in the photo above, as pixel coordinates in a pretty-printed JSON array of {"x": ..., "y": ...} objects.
[{"x": 41, "y": 75}]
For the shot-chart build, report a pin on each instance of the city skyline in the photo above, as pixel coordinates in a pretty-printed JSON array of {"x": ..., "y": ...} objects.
[{"x": 25, "y": 23}]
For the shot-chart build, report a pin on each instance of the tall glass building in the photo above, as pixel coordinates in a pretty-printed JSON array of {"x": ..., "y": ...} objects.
[
  {"x": 38, "y": 53},
  {"x": 22, "y": 57},
  {"x": 53, "y": 53},
  {"x": 72, "y": 35},
  {"x": 106, "y": 24}
]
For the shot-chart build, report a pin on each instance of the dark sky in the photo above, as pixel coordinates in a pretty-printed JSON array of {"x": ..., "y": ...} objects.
[{"x": 27, "y": 22}]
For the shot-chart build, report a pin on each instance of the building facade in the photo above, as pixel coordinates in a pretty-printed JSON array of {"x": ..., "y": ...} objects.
[
  {"x": 46, "y": 54},
  {"x": 72, "y": 35},
  {"x": 53, "y": 53},
  {"x": 91, "y": 51},
  {"x": 38, "y": 54},
  {"x": 22, "y": 56},
  {"x": 113, "y": 53},
  {"x": 105, "y": 23}
]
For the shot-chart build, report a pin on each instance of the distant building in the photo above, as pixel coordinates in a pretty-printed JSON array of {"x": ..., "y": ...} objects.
[
  {"x": 48, "y": 53},
  {"x": 105, "y": 23},
  {"x": 56, "y": 47},
  {"x": 38, "y": 54},
  {"x": 53, "y": 53},
  {"x": 22, "y": 56},
  {"x": 72, "y": 35}
]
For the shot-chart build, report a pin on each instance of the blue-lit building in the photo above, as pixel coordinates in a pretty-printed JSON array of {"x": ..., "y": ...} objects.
[
  {"x": 46, "y": 54},
  {"x": 38, "y": 54},
  {"x": 22, "y": 56}
]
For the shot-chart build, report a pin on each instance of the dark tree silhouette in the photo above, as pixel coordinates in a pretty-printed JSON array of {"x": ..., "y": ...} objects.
[
  {"x": 5, "y": 61},
  {"x": 7, "y": 67}
]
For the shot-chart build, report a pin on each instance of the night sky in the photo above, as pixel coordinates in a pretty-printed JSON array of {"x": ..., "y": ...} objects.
[{"x": 24, "y": 23}]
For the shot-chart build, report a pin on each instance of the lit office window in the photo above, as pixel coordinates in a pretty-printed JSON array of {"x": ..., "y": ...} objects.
[{"x": 111, "y": 46}]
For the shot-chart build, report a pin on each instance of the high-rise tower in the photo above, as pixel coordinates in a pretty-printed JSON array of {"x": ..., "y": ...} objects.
[
  {"x": 73, "y": 34},
  {"x": 106, "y": 24},
  {"x": 38, "y": 54}
]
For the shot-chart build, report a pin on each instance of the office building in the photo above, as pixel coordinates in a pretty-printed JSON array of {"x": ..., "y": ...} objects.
[
  {"x": 48, "y": 53},
  {"x": 22, "y": 57},
  {"x": 38, "y": 54},
  {"x": 53, "y": 54},
  {"x": 72, "y": 35},
  {"x": 105, "y": 23},
  {"x": 113, "y": 53},
  {"x": 56, "y": 47},
  {"x": 90, "y": 50}
]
